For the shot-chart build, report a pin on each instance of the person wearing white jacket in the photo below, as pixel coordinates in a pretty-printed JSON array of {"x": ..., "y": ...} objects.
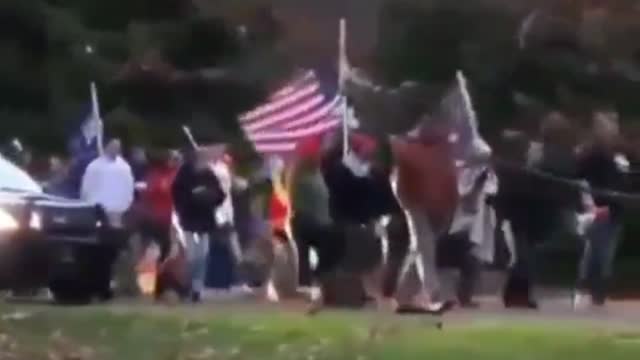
[
  {"x": 108, "y": 182},
  {"x": 475, "y": 220}
]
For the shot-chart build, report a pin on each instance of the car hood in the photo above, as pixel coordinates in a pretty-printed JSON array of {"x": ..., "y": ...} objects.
[
  {"x": 13, "y": 177},
  {"x": 17, "y": 187},
  {"x": 15, "y": 197}
]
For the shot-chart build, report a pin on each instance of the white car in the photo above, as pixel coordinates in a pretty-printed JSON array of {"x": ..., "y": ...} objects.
[{"x": 49, "y": 241}]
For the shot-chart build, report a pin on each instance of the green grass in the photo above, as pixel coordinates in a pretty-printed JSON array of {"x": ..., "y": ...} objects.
[{"x": 54, "y": 333}]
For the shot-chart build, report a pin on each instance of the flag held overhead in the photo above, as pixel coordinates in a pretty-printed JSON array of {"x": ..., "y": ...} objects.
[
  {"x": 343, "y": 69},
  {"x": 456, "y": 110},
  {"x": 300, "y": 109},
  {"x": 85, "y": 143},
  {"x": 189, "y": 135},
  {"x": 93, "y": 127},
  {"x": 343, "y": 62}
]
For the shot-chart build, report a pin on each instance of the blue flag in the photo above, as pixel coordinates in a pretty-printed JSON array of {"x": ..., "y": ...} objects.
[
  {"x": 84, "y": 140},
  {"x": 84, "y": 145}
]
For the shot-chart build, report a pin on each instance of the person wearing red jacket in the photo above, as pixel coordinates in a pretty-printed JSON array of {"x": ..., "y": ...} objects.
[{"x": 157, "y": 202}]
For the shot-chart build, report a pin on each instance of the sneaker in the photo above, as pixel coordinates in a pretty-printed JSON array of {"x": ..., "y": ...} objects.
[
  {"x": 196, "y": 297},
  {"x": 533, "y": 305},
  {"x": 580, "y": 300},
  {"x": 106, "y": 295},
  {"x": 598, "y": 301},
  {"x": 469, "y": 304},
  {"x": 529, "y": 304},
  {"x": 243, "y": 289},
  {"x": 437, "y": 309},
  {"x": 441, "y": 307},
  {"x": 304, "y": 290},
  {"x": 272, "y": 294}
]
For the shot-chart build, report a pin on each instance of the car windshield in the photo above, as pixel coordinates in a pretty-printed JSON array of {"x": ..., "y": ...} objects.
[{"x": 12, "y": 178}]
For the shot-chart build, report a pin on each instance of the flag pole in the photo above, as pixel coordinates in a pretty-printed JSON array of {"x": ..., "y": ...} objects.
[
  {"x": 468, "y": 103},
  {"x": 192, "y": 140},
  {"x": 95, "y": 109},
  {"x": 342, "y": 69},
  {"x": 342, "y": 43}
]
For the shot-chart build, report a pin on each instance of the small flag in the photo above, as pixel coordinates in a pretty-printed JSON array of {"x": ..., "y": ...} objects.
[
  {"x": 88, "y": 138},
  {"x": 85, "y": 143}
]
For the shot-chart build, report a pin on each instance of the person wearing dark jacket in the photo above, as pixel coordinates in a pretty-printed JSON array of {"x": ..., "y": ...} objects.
[
  {"x": 603, "y": 167},
  {"x": 196, "y": 194},
  {"x": 534, "y": 216},
  {"x": 139, "y": 163}
]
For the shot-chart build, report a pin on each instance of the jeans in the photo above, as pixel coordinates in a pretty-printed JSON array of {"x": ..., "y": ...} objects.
[
  {"x": 158, "y": 233},
  {"x": 518, "y": 289},
  {"x": 106, "y": 259},
  {"x": 326, "y": 239},
  {"x": 596, "y": 264},
  {"x": 221, "y": 259},
  {"x": 197, "y": 251},
  {"x": 470, "y": 270}
]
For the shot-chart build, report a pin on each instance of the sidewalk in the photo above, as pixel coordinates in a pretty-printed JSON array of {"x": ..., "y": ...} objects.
[{"x": 492, "y": 282}]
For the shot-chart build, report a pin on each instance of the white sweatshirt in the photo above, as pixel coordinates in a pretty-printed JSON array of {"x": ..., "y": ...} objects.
[
  {"x": 224, "y": 212},
  {"x": 109, "y": 182}
]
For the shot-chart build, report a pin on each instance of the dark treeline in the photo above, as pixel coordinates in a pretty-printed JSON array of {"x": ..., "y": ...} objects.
[{"x": 162, "y": 63}]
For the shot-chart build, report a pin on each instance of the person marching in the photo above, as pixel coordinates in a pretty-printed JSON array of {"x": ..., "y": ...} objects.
[{"x": 196, "y": 194}]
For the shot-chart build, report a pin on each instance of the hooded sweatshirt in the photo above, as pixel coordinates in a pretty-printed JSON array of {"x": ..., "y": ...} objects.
[
  {"x": 109, "y": 182},
  {"x": 196, "y": 195}
]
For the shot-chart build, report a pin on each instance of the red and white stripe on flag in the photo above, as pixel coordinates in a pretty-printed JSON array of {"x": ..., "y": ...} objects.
[{"x": 296, "y": 111}]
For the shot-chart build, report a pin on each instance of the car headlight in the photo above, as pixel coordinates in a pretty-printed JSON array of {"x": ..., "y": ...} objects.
[
  {"x": 35, "y": 221},
  {"x": 7, "y": 221}
]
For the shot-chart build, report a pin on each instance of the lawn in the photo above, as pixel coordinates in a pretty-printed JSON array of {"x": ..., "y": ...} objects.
[{"x": 237, "y": 332}]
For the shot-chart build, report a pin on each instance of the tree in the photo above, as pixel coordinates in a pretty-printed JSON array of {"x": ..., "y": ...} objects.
[
  {"x": 576, "y": 56},
  {"x": 160, "y": 62}
]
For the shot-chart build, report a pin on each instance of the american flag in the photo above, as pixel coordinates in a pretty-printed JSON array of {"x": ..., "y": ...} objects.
[{"x": 302, "y": 108}]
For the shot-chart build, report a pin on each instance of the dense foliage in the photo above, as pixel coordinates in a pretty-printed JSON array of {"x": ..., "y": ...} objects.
[
  {"x": 158, "y": 64},
  {"x": 574, "y": 55},
  {"x": 162, "y": 63}
]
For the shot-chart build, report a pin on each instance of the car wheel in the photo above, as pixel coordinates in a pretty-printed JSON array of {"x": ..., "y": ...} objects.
[{"x": 70, "y": 293}]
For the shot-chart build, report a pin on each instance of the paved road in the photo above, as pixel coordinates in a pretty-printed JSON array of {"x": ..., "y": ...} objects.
[
  {"x": 555, "y": 307},
  {"x": 555, "y": 311}
]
